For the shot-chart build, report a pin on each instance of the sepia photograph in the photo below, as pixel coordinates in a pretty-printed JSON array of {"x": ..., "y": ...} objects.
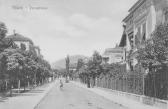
[{"x": 83, "y": 54}]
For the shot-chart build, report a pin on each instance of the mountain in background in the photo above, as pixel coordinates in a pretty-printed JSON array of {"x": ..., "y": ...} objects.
[{"x": 60, "y": 64}]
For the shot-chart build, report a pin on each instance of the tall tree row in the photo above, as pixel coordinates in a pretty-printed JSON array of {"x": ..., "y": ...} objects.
[
  {"x": 149, "y": 76},
  {"x": 153, "y": 56},
  {"x": 20, "y": 67}
]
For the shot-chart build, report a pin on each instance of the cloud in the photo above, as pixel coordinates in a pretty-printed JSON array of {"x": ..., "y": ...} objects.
[
  {"x": 73, "y": 27},
  {"x": 100, "y": 29},
  {"x": 74, "y": 34}
]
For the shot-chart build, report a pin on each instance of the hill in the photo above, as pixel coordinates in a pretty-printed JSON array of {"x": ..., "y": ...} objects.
[{"x": 60, "y": 64}]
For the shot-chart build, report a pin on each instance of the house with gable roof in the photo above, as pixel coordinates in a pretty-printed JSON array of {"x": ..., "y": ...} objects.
[
  {"x": 19, "y": 39},
  {"x": 141, "y": 21}
]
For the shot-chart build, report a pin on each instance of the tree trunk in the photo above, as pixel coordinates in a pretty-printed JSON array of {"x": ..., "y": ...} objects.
[
  {"x": 39, "y": 83},
  {"x": 18, "y": 86},
  {"x": 88, "y": 82},
  {"x": 94, "y": 79},
  {"x": 6, "y": 85},
  {"x": 24, "y": 85},
  {"x": 35, "y": 79},
  {"x": 28, "y": 84},
  {"x": 10, "y": 89}
]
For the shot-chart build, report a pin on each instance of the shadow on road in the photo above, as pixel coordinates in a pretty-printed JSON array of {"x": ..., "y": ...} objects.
[
  {"x": 6, "y": 95},
  {"x": 3, "y": 97},
  {"x": 28, "y": 93}
]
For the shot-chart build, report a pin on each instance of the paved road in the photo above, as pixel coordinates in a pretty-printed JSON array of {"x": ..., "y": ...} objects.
[{"x": 73, "y": 97}]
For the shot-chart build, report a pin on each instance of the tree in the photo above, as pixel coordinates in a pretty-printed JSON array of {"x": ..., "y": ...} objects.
[
  {"x": 84, "y": 75},
  {"x": 94, "y": 66},
  {"x": 97, "y": 58},
  {"x": 154, "y": 57},
  {"x": 90, "y": 70},
  {"x": 14, "y": 63},
  {"x": 80, "y": 63},
  {"x": 3, "y": 75},
  {"x": 4, "y": 43},
  {"x": 67, "y": 61},
  {"x": 3, "y": 30},
  {"x": 20, "y": 64},
  {"x": 30, "y": 68}
]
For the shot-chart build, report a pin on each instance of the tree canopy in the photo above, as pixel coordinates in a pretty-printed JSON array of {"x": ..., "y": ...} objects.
[{"x": 155, "y": 51}]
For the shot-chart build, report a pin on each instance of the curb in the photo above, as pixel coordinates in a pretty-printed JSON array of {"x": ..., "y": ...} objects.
[
  {"x": 82, "y": 86},
  {"x": 124, "y": 104}
]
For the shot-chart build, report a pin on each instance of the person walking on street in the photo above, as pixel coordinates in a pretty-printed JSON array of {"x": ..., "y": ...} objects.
[{"x": 61, "y": 84}]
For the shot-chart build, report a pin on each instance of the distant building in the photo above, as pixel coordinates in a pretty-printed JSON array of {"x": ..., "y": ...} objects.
[
  {"x": 37, "y": 50},
  {"x": 141, "y": 21},
  {"x": 113, "y": 55},
  {"x": 19, "y": 39},
  {"x": 73, "y": 66}
]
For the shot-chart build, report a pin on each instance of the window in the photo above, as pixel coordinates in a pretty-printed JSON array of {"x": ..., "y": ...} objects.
[
  {"x": 131, "y": 65},
  {"x": 138, "y": 36},
  {"x": 131, "y": 39},
  {"x": 143, "y": 32}
]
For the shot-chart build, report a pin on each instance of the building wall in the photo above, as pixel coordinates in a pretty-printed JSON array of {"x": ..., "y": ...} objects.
[
  {"x": 114, "y": 55},
  {"x": 27, "y": 44},
  {"x": 142, "y": 21},
  {"x": 37, "y": 50}
]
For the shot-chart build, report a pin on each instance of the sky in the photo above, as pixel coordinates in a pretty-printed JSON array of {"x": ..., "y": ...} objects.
[{"x": 67, "y": 27}]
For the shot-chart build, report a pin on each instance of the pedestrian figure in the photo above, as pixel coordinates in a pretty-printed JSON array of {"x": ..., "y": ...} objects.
[{"x": 61, "y": 84}]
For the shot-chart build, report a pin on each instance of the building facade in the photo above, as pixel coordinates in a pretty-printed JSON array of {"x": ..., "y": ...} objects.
[
  {"x": 37, "y": 50},
  {"x": 141, "y": 21},
  {"x": 19, "y": 39},
  {"x": 113, "y": 55}
]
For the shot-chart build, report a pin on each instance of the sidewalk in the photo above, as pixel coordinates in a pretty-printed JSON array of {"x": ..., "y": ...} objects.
[
  {"x": 28, "y": 100},
  {"x": 131, "y": 104}
]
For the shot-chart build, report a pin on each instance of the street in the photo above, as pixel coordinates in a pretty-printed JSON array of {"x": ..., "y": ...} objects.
[{"x": 73, "y": 97}]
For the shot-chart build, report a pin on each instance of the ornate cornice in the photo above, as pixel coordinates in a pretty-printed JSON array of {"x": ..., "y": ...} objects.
[{"x": 136, "y": 5}]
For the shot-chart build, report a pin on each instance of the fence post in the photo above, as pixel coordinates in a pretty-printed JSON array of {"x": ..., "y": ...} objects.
[
  {"x": 141, "y": 98},
  {"x": 96, "y": 81}
]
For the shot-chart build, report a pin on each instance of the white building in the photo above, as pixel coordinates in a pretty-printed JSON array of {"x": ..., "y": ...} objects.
[
  {"x": 141, "y": 21},
  {"x": 113, "y": 55},
  {"x": 19, "y": 39},
  {"x": 37, "y": 50}
]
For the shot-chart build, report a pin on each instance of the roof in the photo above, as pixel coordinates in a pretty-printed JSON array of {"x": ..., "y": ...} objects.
[
  {"x": 136, "y": 5},
  {"x": 123, "y": 38},
  {"x": 130, "y": 15},
  {"x": 133, "y": 8},
  {"x": 19, "y": 37},
  {"x": 113, "y": 50}
]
